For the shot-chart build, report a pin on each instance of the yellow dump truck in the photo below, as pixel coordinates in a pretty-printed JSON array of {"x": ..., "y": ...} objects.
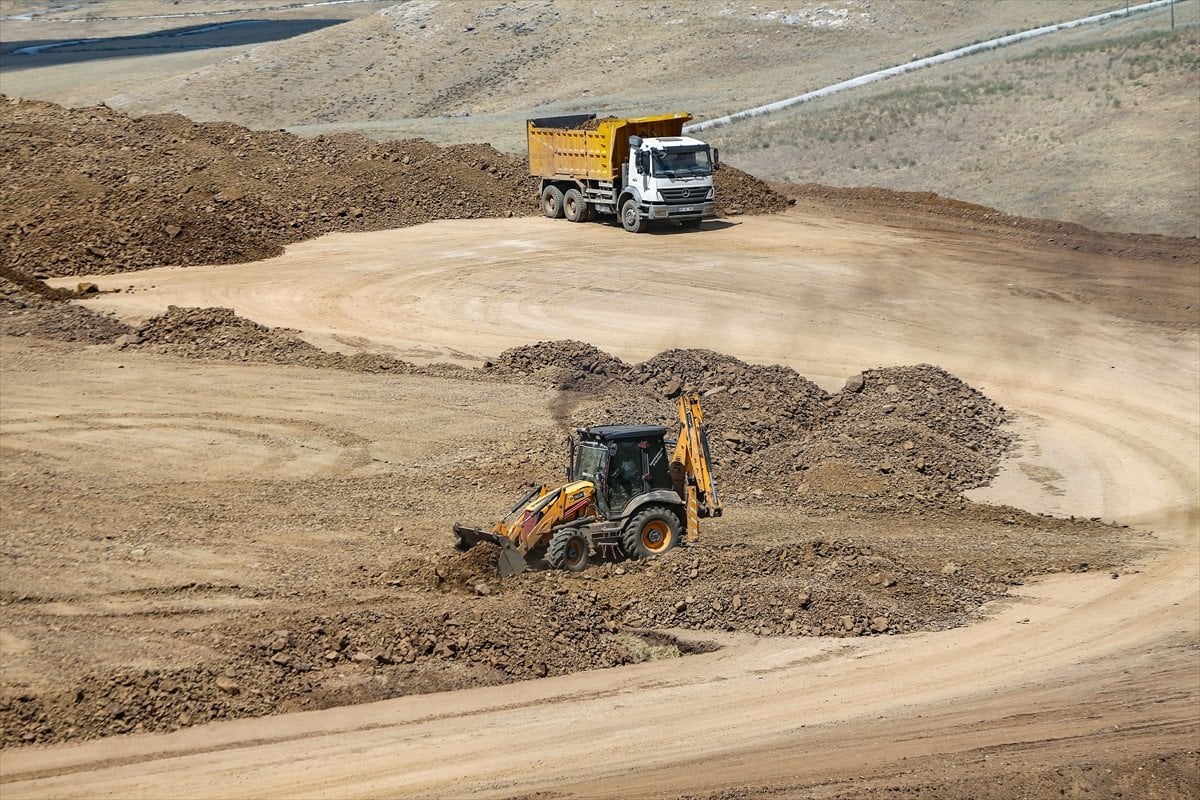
[{"x": 640, "y": 169}]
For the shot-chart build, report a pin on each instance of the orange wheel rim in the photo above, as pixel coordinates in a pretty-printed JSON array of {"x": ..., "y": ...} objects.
[{"x": 656, "y": 535}]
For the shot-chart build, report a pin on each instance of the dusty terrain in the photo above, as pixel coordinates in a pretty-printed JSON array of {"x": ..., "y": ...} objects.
[
  {"x": 1066, "y": 126},
  {"x": 278, "y": 544},
  {"x": 250, "y": 378}
]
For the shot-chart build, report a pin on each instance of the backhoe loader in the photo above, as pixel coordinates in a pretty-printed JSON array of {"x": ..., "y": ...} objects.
[{"x": 631, "y": 491}]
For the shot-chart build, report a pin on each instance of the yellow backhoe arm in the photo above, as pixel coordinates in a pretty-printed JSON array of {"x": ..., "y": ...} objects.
[{"x": 693, "y": 459}]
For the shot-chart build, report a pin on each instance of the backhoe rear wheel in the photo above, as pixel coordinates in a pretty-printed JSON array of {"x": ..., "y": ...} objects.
[
  {"x": 568, "y": 549},
  {"x": 552, "y": 202},
  {"x": 651, "y": 532}
]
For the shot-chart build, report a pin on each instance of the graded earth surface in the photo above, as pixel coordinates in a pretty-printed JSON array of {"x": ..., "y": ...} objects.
[
  {"x": 260, "y": 351},
  {"x": 221, "y": 531}
]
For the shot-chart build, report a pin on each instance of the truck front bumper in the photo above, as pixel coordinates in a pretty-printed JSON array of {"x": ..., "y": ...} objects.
[{"x": 663, "y": 211}]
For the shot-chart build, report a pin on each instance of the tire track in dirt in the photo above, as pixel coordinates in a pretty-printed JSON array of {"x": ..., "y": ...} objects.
[
  {"x": 1117, "y": 418},
  {"x": 245, "y": 445}
]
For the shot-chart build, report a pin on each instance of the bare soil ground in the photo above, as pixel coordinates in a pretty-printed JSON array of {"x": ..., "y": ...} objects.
[
  {"x": 277, "y": 544},
  {"x": 957, "y": 447}
]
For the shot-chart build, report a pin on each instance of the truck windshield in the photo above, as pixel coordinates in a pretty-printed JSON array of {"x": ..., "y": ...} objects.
[
  {"x": 680, "y": 162},
  {"x": 589, "y": 461}
]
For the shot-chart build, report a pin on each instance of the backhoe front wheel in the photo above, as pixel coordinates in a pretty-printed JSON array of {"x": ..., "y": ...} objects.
[
  {"x": 651, "y": 532},
  {"x": 631, "y": 219},
  {"x": 568, "y": 549},
  {"x": 552, "y": 202}
]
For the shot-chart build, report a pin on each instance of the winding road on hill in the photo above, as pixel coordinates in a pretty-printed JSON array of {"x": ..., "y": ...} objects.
[{"x": 1074, "y": 666}]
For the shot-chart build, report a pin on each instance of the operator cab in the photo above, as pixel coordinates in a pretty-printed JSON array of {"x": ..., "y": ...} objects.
[{"x": 623, "y": 461}]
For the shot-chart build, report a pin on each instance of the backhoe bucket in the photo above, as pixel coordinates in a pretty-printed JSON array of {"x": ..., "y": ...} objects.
[{"x": 510, "y": 562}]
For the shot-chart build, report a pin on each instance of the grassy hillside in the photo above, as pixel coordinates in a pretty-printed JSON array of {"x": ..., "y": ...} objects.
[
  {"x": 1100, "y": 128},
  {"x": 473, "y": 70}
]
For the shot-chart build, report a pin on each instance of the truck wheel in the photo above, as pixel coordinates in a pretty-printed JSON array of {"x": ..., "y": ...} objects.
[
  {"x": 575, "y": 208},
  {"x": 653, "y": 531},
  {"x": 631, "y": 219},
  {"x": 567, "y": 550},
  {"x": 552, "y": 202}
]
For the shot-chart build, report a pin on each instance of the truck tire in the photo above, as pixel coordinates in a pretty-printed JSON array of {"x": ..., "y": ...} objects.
[
  {"x": 568, "y": 549},
  {"x": 651, "y": 532},
  {"x": 631, "y": 220},
  {"x": 575, "y": 208},
  {"x": 552, "y": 202}
]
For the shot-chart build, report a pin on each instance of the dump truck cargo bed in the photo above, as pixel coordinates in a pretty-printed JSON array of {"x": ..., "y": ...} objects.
[{"x": 558, "y": 148}]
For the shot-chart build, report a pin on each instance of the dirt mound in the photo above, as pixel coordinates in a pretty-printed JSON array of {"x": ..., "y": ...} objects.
[
  {"x": 894, "y": 438},
  {"x": 740, "y": 192},
  {"x": 750, "y": 406},
  {"x": 565, "y": 363},
  {"x": 94, "y": 191},
  {"x": 219, "y": 333},
  {"x": 878, "y": 204},
  {"x": 32, "y": 313}
]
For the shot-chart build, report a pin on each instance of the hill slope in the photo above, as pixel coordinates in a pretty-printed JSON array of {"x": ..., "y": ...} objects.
[{"x": 1102, "y": 129}]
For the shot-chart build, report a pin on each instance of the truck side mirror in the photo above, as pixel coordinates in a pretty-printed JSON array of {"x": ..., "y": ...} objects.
[
  {"x": 716, "y": 158},
  {"x": 643, "y": 162}
]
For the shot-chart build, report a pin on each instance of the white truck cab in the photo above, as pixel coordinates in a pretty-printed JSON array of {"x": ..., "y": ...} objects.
[{"x": 671, "y": 178}]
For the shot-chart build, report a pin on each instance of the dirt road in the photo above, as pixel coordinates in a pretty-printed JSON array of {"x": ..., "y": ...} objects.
[{"x": 1075, "y": 667}]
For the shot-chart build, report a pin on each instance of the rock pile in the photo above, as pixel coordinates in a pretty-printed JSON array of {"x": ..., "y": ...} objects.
[{"x": 747, "y": 406}]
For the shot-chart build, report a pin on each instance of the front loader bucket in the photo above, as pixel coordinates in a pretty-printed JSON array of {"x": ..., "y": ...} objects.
[
  {"x": 511, "y": 560},
  {"x": 465, "y": 538}
]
